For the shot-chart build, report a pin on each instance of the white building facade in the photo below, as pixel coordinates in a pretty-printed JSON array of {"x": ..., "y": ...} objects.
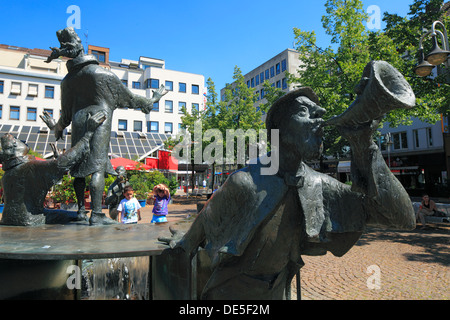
[
  {"x": 144, "y": 76},
  {"x": 416, "y": 156},
  {"x": 29, "y": 86},
  {"x": 273, "y": 70}
]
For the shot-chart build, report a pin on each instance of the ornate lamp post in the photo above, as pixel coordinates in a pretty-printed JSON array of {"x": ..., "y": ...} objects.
[{"x": 437, "y": 55}]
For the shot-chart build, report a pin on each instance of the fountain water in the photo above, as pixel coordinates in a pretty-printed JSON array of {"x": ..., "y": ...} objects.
[{"x": 115, "y": 278}]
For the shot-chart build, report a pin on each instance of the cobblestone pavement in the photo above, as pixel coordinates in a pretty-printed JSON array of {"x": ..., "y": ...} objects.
[{"x": 413, "y": 265}]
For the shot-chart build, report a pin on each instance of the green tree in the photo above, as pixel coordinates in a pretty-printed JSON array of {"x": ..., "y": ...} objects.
[
  {"x": 432, "y": 93},
  {"x": 144, "y": 182},
  {"x": 335, "y": 71},
  {"x": 196, "y": 119},
  {"x": 237, "y": 112}
]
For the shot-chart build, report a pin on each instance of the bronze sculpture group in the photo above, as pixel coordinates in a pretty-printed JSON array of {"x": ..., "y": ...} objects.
[
  {"x": 255, "y": 227},
  {"x": 87, "y": 89}
]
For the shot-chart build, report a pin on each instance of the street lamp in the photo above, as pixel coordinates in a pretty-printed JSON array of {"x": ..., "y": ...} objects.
[{"x": 437, "y": 55}]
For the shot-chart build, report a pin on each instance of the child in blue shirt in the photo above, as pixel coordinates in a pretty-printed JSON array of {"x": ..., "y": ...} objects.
[
  {"x": 162, "y": 197},
  {"x": 129, "y": 209}
]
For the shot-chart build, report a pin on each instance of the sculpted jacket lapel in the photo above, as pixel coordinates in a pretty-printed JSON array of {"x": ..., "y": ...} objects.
[
  {"x": 311, "y": 200},
  {"x": 309, "y": 189}
]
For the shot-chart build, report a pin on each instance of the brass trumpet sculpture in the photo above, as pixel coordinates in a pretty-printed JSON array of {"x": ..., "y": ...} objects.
[{"x": 382, "y": 88}]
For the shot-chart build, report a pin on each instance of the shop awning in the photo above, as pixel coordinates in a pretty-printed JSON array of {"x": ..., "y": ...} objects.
[{"x": 129, "y": 164}]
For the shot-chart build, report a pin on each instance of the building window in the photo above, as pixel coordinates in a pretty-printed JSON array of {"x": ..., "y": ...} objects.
[
  {"x": 261, "y": 77},
  {"x": 180, "y": 127},
  {"x": 2, "y": 86},
  {"x": 400, "y": 140},
  {"x": 169, "y": 106},
  {"x": 252, "y": 82},
  {"x": 257, "y": 79},
  {"x": 16, "y": 88},
  {"x": 416, "y": 138},
  {"x": 181, "y": 105},
  {"x": 152, "y": 83},
  {"x": 123, "y": 125},
  {"x": 137, "y": 126},
  {"x": 49, "y": 111},
  {"x": 195, "y": 89},
  {"x": 430, "y": 137},
  {"x": 1, "y": 111},
  {"x": 262, "y": 94},
  {"x": 31, "y": 114},
  {"x": 153, "y": 126},
  {"x": 99, "y": 55},
  {"x": 125, "y": 83},
  {"x": 182, "y": 87},
  {"x": 278, "y": 84},
  {"x": 14, "y": 113},
  {"x": 283, "y": 83},
  {"x": 168, "y": 127},
  {"x": 195, "y": 107},
  {"x": 283, "y": 65},
  {"x": 169, "y": 85},
  {"x": 267, "y": 74},
  {"x": 248, "y": 83},
  {"x": 155, "y": 107},
  {"x": 277, "y": 68},
  {"x": 32, "y": 90},
  {"x": 49, "y": 92},
  {"x": 272, "y": 71},
  {"x": 136, "y": 85}
]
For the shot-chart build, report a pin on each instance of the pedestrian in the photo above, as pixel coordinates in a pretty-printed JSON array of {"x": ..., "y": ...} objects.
[
  {"x": 129, "y": 209},
  {"x": 160, "y": 210},
  {"x": 427, "y": 208}
]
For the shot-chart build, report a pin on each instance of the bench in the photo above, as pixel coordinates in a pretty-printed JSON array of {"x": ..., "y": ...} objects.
[{"x": 443, "y": 207}]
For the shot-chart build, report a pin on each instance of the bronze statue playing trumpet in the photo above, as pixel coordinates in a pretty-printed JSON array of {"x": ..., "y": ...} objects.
[{"x": 255, "y": 228}]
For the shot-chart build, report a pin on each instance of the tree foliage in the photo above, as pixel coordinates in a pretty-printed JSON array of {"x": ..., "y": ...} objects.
[
  {"x": 432, "y": 93},
  {"x": 236, "y": 111},
  {"x": 334, "y": 72}
]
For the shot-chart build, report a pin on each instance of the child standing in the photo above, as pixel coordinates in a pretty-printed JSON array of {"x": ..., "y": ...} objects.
[
  {"x": 162, "y": 197},
  {"x": 129, "y": 209}
]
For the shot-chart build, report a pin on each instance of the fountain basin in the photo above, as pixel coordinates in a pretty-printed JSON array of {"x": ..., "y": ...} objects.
[{"x": 34, "y": 260}]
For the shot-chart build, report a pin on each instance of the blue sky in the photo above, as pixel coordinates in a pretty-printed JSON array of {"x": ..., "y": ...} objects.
[{"x": 197, "y": 36}]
